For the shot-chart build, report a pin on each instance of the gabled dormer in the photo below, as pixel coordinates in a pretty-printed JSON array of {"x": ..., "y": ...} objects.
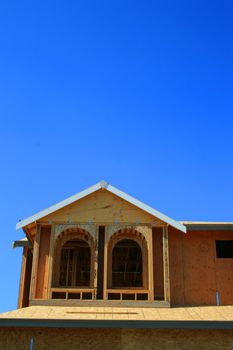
[{"x": 99, "y": 245}]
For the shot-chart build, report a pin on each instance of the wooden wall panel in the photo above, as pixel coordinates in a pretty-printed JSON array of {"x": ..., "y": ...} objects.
[
  {"x": 199, "y": 269},
  {"x": 42, "y": 270},
  {"x": 117, "y": 339},
  {"x": 224, "y": 272},
  {"x": 177, "y": 288},
  {"x": 158, "y": 262},
  {"x": 196, "y": 273},
  {"x": 100, "y": 207}
]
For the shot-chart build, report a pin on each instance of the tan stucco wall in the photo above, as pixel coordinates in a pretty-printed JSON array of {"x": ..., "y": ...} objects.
[{"x": 117, "y": 339}]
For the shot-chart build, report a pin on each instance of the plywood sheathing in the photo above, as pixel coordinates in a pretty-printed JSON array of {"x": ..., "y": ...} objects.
[
  {"x": 196, "y": 274},
  {"x": 117, "y": 339},
  {"x": 101, "y": 207}
]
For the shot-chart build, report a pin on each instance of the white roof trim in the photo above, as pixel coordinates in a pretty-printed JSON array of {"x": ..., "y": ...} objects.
[
  {"x": 98, "y": 186},
  {"x": 206, "y": 222}
]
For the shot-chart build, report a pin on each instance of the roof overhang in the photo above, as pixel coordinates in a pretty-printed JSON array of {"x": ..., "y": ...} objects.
[
  {"x": 101, "y": 185},
  {"x": 208, "y": 226},
  {"x": 142, "y": 324}
]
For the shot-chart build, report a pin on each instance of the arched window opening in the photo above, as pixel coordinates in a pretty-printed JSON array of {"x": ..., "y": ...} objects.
[
  {"x": 75, "y": 264},
  {"x": 127, "y": 264}
]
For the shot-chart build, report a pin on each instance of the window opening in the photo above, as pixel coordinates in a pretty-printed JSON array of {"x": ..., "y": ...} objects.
[
  {"x": 75, "y": 264},
  {"x": 224, "y": 249},
  {"x": 127, "y": 264}
]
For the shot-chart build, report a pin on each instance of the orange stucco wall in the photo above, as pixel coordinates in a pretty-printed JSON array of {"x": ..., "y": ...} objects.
[{"x": 196, "y": 274}]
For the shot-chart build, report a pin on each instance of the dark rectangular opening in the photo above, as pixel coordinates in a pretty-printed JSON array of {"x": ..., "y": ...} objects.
[
  {"x": 224, "y": 249},
  {"x": 100, "y": 275},
  {"x": 87, "y": 296},
  {"x": 142, "y": 296},
  {"x": 128, "y": 296},
  {"x": 58, "y": 295},
  {"x": 114, "y": 296},
  {"x": 73, "y": 295}
]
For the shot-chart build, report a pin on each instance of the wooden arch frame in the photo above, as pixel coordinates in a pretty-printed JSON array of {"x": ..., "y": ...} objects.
[
  {"x": 139, "y": 238},
  {"x": 65, "y": 236}
]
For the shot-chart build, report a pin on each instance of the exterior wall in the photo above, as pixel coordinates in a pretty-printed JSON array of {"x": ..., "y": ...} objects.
[
  {"x": 118, "y": 339},
  {"x": 196, "y": 273}
]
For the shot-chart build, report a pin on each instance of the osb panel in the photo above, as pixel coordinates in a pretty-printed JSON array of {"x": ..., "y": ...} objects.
[
  {"x": 224, "y": 276},
  {"x": 117, "y": 339},
  {"x": 224, "y": 273},
  {"x": 199, "y": 268},
  {"x": 42, "y": 271},
  {"x": 176, "y": 263},
  {"x": 101, "y": 207},
  {"x": 196, "y": 273},
  {"x": 60, "y": 339},
  {"x": 176, "y": 339}
]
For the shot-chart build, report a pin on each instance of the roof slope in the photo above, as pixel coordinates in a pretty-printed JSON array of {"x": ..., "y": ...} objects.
[
  {"x": 114, "y": 317},
  {"x": 92, "y": 189}
]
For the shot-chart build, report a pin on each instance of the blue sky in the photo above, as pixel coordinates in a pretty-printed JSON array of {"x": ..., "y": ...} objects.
[{"x": 139, "y": 93}]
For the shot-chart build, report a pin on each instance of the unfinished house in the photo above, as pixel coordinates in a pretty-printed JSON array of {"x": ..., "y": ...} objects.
[{"x": 102, "y": 259}]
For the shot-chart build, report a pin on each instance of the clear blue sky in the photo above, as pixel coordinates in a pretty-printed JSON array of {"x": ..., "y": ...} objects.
[{"x": 139, "y": 93}]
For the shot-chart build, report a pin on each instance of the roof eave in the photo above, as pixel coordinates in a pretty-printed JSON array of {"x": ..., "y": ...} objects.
[{"x": 133, "y": 324}]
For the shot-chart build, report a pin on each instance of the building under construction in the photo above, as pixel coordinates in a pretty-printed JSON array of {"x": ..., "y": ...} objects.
[{"x": 101, "y": 269}]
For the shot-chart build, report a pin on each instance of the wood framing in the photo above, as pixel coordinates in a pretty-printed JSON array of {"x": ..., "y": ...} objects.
[
  {"x": 105, "y": 266},
  {"x": 99, "y": 205},
  {"x": 22, "y": 278},
  {"x": 96, "y": 252},
  {"x": 166, "y": 265},
  {"x": 142, "y": 255},
  {"x": 35, "y": 262},
  {"x": 50, "y": 261},
  {"x": 150, "y": 264},
  {"x": 25, "y": 278}
]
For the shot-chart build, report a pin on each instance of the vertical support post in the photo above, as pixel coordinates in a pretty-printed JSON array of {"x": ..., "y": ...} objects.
[
  {"x": 166, "y": 265},
  {"x": 105, "y": 264},
  {"x": 50, "y": 261},
  {"x": 100, "y": 275},
  {"x": 96, "y": 260},
  {"x": 35, "y": 262},
  {"x": 150, "y": 264},
  {"x": 22, "y": 277}
]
